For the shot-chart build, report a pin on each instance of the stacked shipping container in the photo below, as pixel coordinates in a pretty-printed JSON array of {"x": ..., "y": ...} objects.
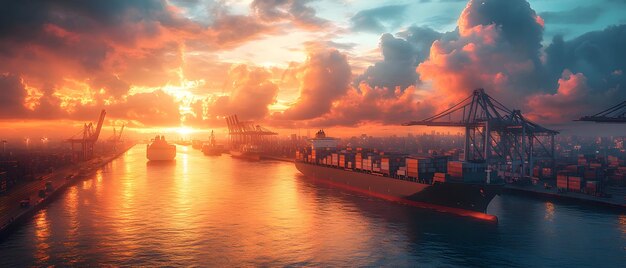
[
  {"x": 467, "y": 171},
  {"x": 422, "y": 169},
  {"x": 568, "y": 183}
]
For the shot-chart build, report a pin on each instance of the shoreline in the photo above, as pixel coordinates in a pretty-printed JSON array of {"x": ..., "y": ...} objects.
[{"x": 14, "y": 219}]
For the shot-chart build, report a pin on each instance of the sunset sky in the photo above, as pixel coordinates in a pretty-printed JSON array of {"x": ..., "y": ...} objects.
[{"x": 354, "y": 66}]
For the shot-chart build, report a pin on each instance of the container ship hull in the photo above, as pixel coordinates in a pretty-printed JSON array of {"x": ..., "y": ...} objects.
[
  {"x": 161, "y": 154},
  {"x": 245, "y": 155},
  {"x": 454, "y": 197},
  {"x": 211, "y": 150}
]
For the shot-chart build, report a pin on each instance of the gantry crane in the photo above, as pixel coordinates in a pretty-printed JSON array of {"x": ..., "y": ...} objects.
[
  {"x": 116, "y": 137},
  {"x": 246, "y": 132},
  {"x": 501, "y": 137},
  {"x": 89, "y": 138},
  {"x": 615, "y": 114}
]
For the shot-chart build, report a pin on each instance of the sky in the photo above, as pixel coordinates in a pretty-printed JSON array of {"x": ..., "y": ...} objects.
[{"x": 350, "y": 66}]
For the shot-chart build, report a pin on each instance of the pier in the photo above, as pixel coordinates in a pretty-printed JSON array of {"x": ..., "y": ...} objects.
[{"x": 617, "y": 199}]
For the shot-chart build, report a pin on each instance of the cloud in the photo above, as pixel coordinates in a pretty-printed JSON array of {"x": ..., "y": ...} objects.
[
  {"x": 596, "y": 60},
  {"x": 69, "y": 59},
  {"x": 573, "y": 96},
  {"x": 107, "y": 45},
  {"x": 12, "y": 96},
  {"x": 296, "y": 11},
  {"x": 250, "y": 91},
  {"x": 155, "y": 108},
  {"x": 497, "y": 48},
  {"x": 324, "y": 77},
  {"x": 378, "y": 20},
  {"x": 16, "y": 102},
  {"x": 598, "y": 55},
  {"x": 400, "y": 57},
  {"x": 518, "y": 23},
  {"x": 228, "y": 30},
  {"x": 397, "y": 67},
  {"x": 79, "y": 54},
  {"x": 577, "y": 15},
  {"x": 374, "y": 105}
]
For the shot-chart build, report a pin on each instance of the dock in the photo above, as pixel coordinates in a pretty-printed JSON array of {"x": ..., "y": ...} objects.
[
  {"x": 12, "y": 214},
  {"x": 617, "y": 199}
]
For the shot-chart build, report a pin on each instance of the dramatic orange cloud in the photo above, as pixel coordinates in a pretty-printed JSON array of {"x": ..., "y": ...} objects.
[
  {"x": 251, "y": 91},
  {"x": 325, "y": 76},
  {"x": 158, "y": 63},
  {"x": 365, "y": 105},
  {"x": 571, "y": 98},
  {"x": 497, "y": 49}
]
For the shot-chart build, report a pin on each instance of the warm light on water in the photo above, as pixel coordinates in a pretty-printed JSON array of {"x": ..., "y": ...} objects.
[{"x": 219, "y": 211}]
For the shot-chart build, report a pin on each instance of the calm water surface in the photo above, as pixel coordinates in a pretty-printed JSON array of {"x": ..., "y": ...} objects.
[{"x": 219, "y": 211}]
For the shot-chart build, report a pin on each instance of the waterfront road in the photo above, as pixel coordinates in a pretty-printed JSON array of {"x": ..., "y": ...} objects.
[{"x": 10, "y": 208}]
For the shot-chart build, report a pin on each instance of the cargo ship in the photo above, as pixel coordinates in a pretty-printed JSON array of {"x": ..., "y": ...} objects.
[
  {"x": 160, "y": 150},
  {"x": 464, "y": 188},
  {"x": 249, "y": 152},
  {"x": 196, "y": 144},
  {"x": 212, "y": 148}
]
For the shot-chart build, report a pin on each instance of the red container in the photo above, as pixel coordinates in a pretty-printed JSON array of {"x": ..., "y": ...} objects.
[{"x": 574, "y": 184}]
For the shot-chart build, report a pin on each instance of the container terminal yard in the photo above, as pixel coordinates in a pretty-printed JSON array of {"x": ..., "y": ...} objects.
[
  {"x": 531, "y": 159},
  {"x": 33, "y": 176}
]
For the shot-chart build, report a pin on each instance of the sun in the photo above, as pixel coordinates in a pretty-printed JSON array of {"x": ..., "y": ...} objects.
[{"x": 184, "y": 130}]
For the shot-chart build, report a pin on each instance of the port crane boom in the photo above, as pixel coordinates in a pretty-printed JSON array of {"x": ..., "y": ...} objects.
[
  {"x": 615, "y": 114},
  {"x": 500, "y": 136},
  {"x": 246, "y": 132},
  {"x": 89, "y": 137}
]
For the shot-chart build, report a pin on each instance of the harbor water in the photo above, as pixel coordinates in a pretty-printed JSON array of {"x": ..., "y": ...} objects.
[{"x": 220, "y": 211}]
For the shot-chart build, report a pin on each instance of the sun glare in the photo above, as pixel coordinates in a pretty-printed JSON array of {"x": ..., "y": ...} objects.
[{"x": 184, "y": 130}]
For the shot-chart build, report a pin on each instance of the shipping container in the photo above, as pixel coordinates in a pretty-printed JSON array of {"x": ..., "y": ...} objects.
[
  {"x": 592, "y": 187},
  {"x": 3, "y": 182},
  {"x": 440, "y": 177},
  {"x": 367, "y": 165},
  {"x": 562, "y": 181},
  {"x": 334, "y": 159},
  {"x": 595, "y": 165},
  {"x": 467, "y": 171},
  {"x": 574, "y": 184}
]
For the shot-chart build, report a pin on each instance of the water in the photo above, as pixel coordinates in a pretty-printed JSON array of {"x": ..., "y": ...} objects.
[{"x": 220, "y": 211}]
